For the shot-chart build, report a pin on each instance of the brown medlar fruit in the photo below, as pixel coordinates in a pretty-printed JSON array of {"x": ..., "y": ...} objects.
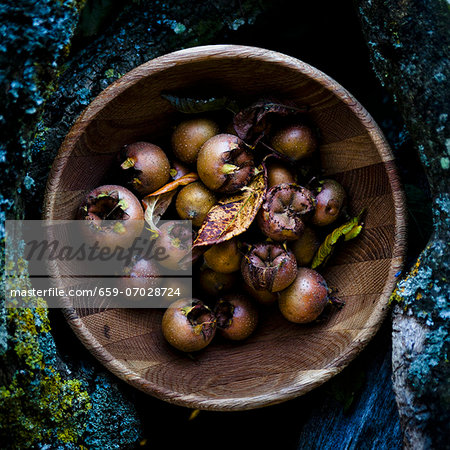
[
  {"x": 237, "y": 317},
  {"x": 262, "y": 297},
  {"x": 330, "y": 200},
  {"x": 194, "y": 201},
  {"x": 305, "y": 247},
  {"x": 215, "y": 283},
  {"x": 176, "y": 239},
  {"x": 224, "y": 257},
  {"x": 284, "y": 210},
  {"x": 269, "y": 267},
  {"x": 188, "y": 325},
  {"x": 296, "y": 141},
  {"x": 145, "y": 166},
  {"x": 278, "y": 173},
  {"x": 114, "y": 216},
  {"x": 225, "y": 164},
  {"x": 190, "y": 135},
  {"x": 305, "y": 299},
  {"x": 144, "y": 273}
]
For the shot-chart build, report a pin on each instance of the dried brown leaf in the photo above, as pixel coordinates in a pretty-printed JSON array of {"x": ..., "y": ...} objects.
[
  {"x": 251, "y": 124},
  {"x": 233, "y": 215},
  {"x": 183, "y": 181}
]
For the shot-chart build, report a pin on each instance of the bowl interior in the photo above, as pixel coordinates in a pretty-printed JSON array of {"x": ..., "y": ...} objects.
[{"x": 281, "y": 360}]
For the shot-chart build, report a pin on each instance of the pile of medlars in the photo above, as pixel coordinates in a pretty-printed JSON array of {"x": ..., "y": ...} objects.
[{"x": 267, "y": 263}]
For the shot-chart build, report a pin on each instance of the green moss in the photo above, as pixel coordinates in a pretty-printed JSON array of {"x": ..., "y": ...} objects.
[
  {"x": 38, "y": 404},
  {"x": 44, "y": 403}
]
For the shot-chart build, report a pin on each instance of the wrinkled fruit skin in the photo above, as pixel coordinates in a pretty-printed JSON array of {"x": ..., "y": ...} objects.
[
  {"x": 295, "y": 141},
  {"x": 305, "y": 247},
  {"x": 224, "y": 164},
  {"x": 190, "y": 135},
  {"x": 214, "y": 284},
  {"x": 284, "y": 211},
  {"x": 269, "y": 267},
  {"x": 305, "y": 299},
  {"x": 122, "y": 211},
  {"x": 188, "y": 325},
  {"x": 278, "y": 173},
  {"x": 237, "y": 317},
  {"x": 176, "y": 239},
  {"x": 145, "y": 167},
  {"x": 144, "y": 273},
  {"x": 330, "y": 201},
  {"x": 224, "y": 257},
  {"x": 194, "y": 201}
]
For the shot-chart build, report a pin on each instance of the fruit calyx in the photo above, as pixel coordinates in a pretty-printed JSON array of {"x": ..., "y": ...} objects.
[
  {"x": 224, "y": 311},
  {"x": 291, "y": 200},
  {"x": 201, "y": 318},
  {"x": 105, "y": 206},
  {"x": 269, "y": 266},
  {"x": 180, "y": 236},
  {"x": 284, "y": 211},
  {"x": 238, "y": 166}
]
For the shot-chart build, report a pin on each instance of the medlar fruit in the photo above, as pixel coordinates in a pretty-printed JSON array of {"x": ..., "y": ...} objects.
[
  {"x": 115, "y": 216},
  {"x": 178, "y": 170},
  {"x": 176, "y": 239},
  {"x": 236, "y": 316},
  {"x": 305, "y": 299},
  {"x": 306, "y": 246},
  {"x": 330, "y": 199},
  {"x": 269, "y": 267},
  {"x": 284, "y": 210},
  {"x": 190, "y": 135},
  {"x": 263, "y": 297},
  {"x": 194, "y": 201},
  {"x": 144, "y": 273},
  {"x": 188, "y": 325},
  {"x": 296, "y": 141},
  {"x": 278, "y": 173},
  {"x": 215, "y": 283},
  {"x": 145, "y": 166},
  {"x": 224, "y": 164},
  {"x": 224, "y": 257}
]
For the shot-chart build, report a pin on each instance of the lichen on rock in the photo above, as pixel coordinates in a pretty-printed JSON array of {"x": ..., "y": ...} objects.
[{"x": 409, "y": 44}]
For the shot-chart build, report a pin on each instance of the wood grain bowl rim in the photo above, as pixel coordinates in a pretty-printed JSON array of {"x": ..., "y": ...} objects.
[{"x": 372, "y": 325}]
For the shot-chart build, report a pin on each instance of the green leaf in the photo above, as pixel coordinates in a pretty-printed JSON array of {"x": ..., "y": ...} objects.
[{"x": 345, "y": 232}]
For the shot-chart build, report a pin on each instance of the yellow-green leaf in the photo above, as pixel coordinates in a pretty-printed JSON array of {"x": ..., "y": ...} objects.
[{"x": 345, "y": 232}]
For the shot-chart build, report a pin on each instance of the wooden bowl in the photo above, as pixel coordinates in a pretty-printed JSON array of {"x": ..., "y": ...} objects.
[{"x": 281, "y": 360}]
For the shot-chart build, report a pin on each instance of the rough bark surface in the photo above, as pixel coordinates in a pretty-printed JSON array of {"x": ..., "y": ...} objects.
[
  {"x": 49, "y": 400},
  {"x": 409, "y": 43}
]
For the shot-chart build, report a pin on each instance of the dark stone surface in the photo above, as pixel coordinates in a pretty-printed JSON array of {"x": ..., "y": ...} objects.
[
  {"x": 409, "y": 44},
  {"x": 371, "y": 420},
  {"x": 35, "y": 38}
]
